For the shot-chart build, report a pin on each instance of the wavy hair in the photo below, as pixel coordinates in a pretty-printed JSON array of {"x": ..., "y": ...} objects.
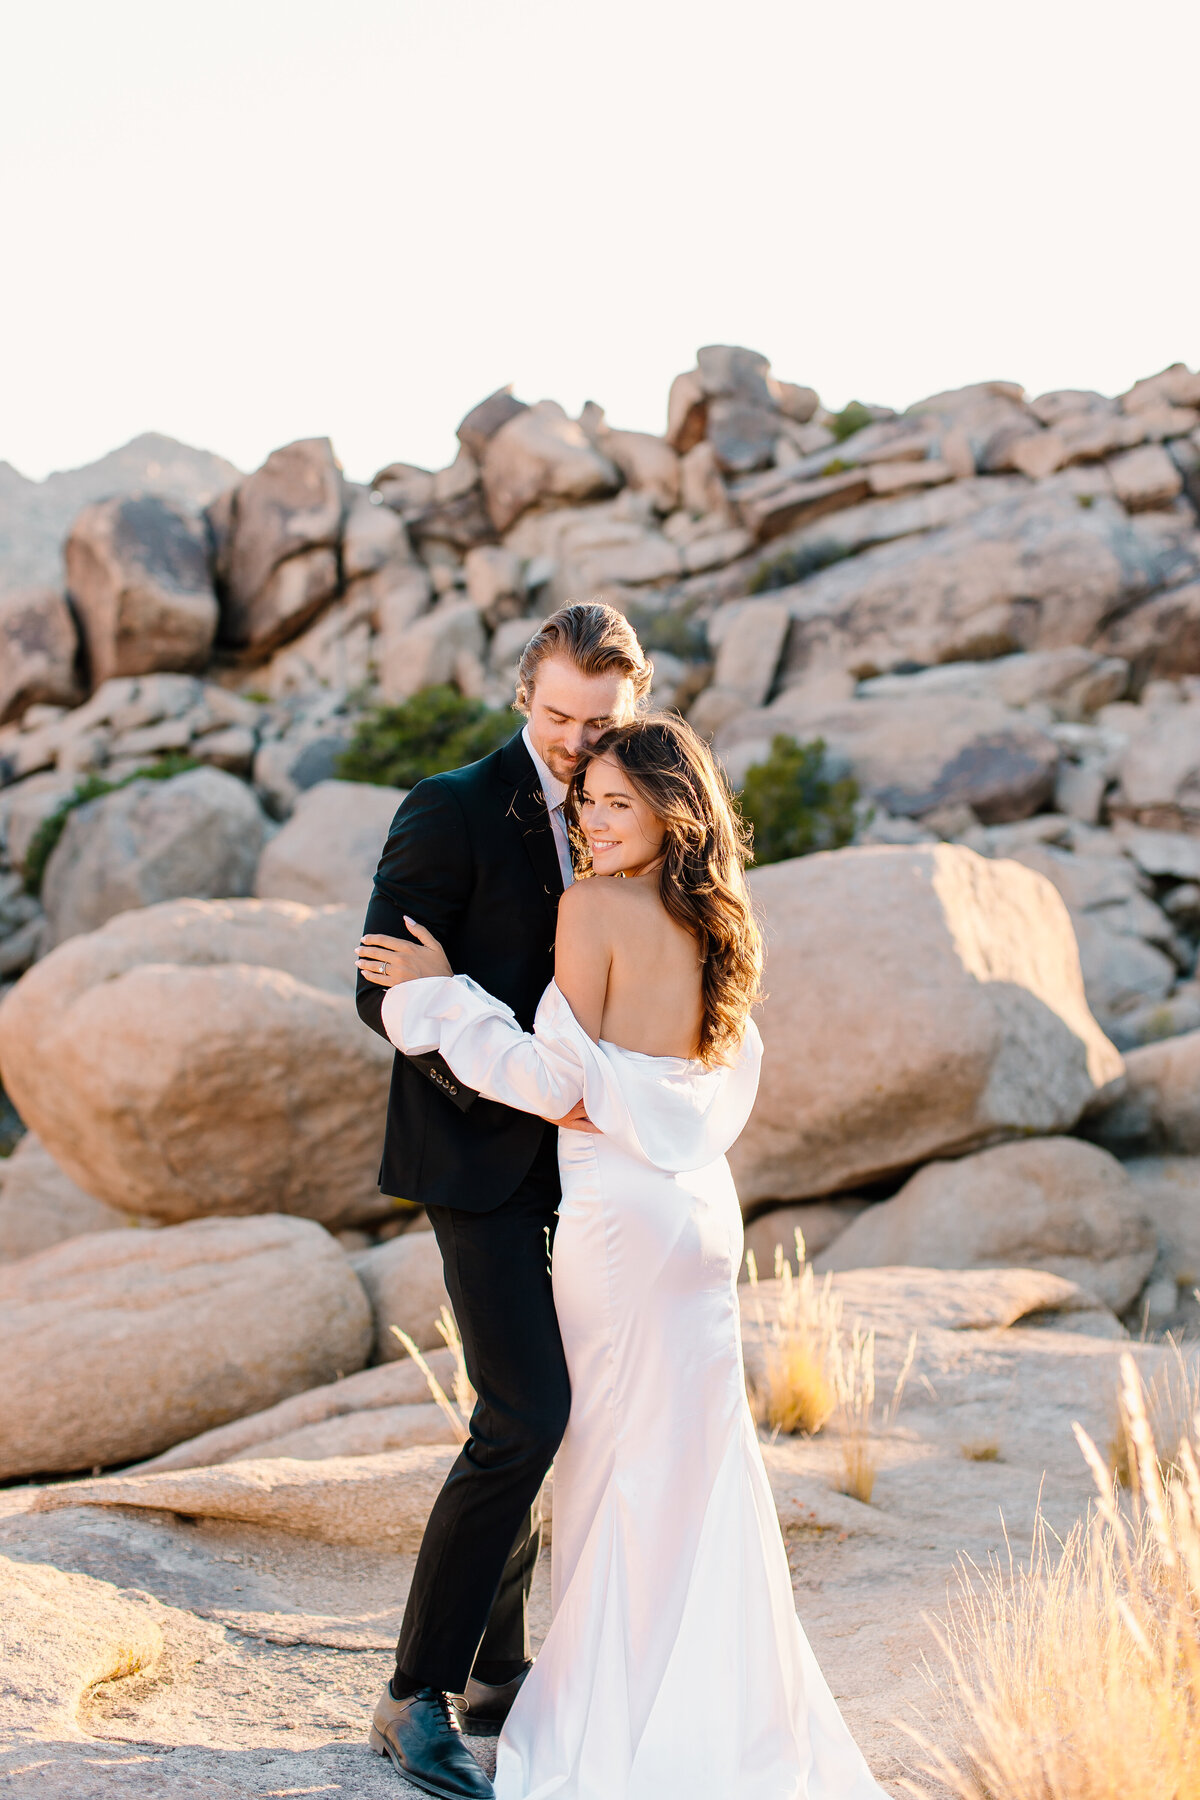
[
  {"x": 702, "y": 877},
  {"x": 597, "y": 638}
]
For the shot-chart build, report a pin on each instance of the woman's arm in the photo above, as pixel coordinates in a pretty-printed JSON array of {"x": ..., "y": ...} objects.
[
  {"x": 536, "y": 1072},
  {"x": 583, "y": 953}
]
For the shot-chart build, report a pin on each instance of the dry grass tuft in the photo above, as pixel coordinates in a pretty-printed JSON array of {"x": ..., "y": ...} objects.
[
  {"x": 795, "y": 1392},
  {"x": 857, "y": 1422},
  {"x": 980, "y": 1450},
  {"x": 458, "y": 1410},
  {"x": 812, "y": 1374},
  {"x": 1172, "y": 1403},
  {"x": 1078, "y": 1676}
]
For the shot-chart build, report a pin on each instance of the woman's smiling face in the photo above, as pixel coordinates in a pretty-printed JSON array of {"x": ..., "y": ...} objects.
[{"x": 622, "y": 833}]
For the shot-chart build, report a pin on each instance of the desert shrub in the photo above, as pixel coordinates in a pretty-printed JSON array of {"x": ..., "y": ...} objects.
[
  {"x": 1077, "y": 1675},
  {"x": 92, "y": 787},
  {"x": 794, "y": 806},
  {"x": 673, "y": 630},
  {"x": 791, "y": 566},
  {"x": 852, "y": 418},
  {"x": 438, "y": 729}
]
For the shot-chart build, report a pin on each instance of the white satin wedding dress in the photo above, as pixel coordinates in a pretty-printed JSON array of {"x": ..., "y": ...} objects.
[{"x": 675, "y": 1667}]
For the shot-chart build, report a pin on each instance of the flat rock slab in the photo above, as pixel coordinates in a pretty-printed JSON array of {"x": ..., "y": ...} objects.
[{"x": 381, "y": 1500}]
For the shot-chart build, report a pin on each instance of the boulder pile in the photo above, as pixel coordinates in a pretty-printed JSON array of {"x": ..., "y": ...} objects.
[{"x": 986, "y": 606}]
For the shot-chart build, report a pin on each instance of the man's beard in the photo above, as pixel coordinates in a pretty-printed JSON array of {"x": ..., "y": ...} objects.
[{"x": 560, "y": 762}]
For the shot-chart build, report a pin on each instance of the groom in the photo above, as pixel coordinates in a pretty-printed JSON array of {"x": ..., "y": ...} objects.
[{"x": 480, "y": 856}]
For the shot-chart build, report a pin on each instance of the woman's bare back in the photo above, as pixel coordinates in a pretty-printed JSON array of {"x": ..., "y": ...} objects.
[{"x": 628, "y": 971}]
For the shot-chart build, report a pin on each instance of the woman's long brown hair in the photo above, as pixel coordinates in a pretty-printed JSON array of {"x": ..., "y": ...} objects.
[{"x": 702, "y": 878}]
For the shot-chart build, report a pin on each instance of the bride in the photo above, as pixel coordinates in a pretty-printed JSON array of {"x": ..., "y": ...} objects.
[{"x": 675, "y": 1667}]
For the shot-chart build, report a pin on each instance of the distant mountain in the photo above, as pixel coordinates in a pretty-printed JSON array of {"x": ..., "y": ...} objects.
[{"x": 36, "y": 515}]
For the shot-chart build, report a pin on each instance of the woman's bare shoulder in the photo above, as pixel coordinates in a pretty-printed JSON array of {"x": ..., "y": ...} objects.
[{"x": 592, "y": 893}]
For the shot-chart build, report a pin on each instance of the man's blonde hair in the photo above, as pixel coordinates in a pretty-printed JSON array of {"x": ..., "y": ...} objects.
[{"x": 598, "y": 640}]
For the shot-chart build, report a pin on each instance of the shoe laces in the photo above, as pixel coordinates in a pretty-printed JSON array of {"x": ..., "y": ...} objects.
[{"x": 449, "y": 1712}]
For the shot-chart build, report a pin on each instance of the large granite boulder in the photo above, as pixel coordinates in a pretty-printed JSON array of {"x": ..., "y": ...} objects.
[
  {"x": 447, "y": 644},
  {"x": 1160, "y": 637},
  {"x": 1169, "y": 1189},
  {"x": 1124, "y": 938},
  {"x": 38, "y": 649},
  {"x": 915, "y": 752},
  {"x": 276, "y": 535},
  {"x": 205, "y": 1056},
  {"x": 390, "y": 1388},
  {"x": 920, "y": 1002},
  {"x": 197, "y": 835},
  {"x": 1159, "y": 771},
  {"x": 1035, "y": 571},
  {"x": 405, "y": 1285},
  {"x": 41, "y": 1206},
  {"x": 1157, "y": 1108},
  {"x": 541, "y": 454},
  {"x": 327, "y": 853},
  {"x": 482, "y": 423},
  {"x": 129, "y": 1341},
  {"x": 137, "y": 574},
  {"x": 1050, "y": 1203}
]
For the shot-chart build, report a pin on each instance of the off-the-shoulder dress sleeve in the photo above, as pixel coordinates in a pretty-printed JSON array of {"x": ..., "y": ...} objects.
[
  {"x": 535, "y": 1072},
  {"x": 669, "y": 1111}
]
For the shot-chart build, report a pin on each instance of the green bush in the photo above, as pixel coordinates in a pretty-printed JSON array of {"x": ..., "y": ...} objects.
[
  {"x": 438, "y": 729},
  {"x": 793, "y": 805},
  {"x": 673, "y": 630},
  {"x": 852, "y": 418},
  {"x": 92, "y": 787},
  {"x": 791, "y": 566}
]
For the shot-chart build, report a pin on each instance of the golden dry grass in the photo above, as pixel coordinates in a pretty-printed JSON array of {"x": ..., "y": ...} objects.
[
  {"x": 457, "y": 1411},
  {"x": 795, "y": 1392},
  {"x": 1077, "y": 1676},
  {"x": 812, "y": 1374},
  {"x": 858, "y": 1422},
  {"x": 1172, "y": 1403}
]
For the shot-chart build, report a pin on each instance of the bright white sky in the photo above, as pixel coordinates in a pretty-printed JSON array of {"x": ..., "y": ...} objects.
[{"x": 245, "y": 221}]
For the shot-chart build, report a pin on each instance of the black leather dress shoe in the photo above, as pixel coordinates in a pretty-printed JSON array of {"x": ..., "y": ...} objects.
[
  {"x": 423, "y": 1737},
  {"x": 484, "y": 1708}
]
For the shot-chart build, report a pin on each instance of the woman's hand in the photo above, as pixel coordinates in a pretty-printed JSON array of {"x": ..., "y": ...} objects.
[{"x": 387, "y": 961}]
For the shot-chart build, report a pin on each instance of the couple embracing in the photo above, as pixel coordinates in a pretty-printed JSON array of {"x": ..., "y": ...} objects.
[{"x": 575, "y": 1058}]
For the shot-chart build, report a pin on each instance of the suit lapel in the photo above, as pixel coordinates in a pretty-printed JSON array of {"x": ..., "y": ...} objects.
[{"x": 527, "y": 809}]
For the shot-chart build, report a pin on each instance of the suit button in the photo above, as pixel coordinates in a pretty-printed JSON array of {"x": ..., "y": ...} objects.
[{"x": 453, "y": 1089}]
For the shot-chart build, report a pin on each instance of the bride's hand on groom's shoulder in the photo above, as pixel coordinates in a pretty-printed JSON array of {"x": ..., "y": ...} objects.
[{"x": 386, "y": 961}]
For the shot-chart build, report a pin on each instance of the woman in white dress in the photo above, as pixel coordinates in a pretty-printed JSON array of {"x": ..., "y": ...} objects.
[{"x": 675, "y": 1667}]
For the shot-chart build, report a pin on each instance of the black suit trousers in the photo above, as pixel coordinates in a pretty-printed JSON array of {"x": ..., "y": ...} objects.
[{"x": 477, "y": 1557}]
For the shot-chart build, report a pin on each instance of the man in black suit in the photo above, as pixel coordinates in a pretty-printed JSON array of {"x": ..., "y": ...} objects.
[{"x": 480, "y": 857}]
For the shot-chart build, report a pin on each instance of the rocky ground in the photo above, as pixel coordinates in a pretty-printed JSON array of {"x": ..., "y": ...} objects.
[{"x": 167, "y": 1652}]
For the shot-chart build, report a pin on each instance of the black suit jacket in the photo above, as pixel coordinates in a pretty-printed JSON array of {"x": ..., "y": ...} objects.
[{"x": 471, "y": 856}]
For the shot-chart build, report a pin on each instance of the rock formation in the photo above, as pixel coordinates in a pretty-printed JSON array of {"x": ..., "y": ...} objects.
[{"x": 987, "y": 607}]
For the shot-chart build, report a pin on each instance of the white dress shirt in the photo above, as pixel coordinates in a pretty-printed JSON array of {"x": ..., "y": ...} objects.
[{"x": 555, "y": 793}]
